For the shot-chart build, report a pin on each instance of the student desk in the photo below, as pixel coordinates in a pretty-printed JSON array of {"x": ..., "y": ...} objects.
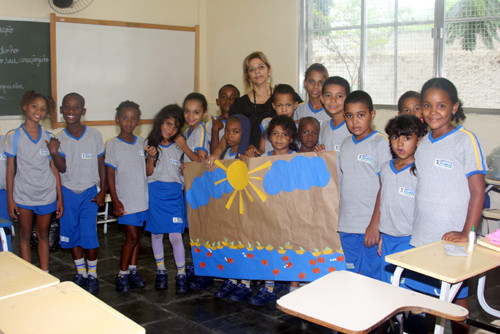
[
  {"x": 18, "y": 276},
  {"x": 62, "y": 308},
  {"x": 351, "y": 303},
  {"x": 431, "y": 260}
]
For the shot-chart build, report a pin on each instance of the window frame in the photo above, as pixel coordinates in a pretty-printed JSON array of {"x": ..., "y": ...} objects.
[{"x": 437, "y": 33}]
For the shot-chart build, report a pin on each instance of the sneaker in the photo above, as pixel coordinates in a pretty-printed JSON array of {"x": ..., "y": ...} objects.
[
  {"x": 79, "y": 280},
  {"x": 161, "y": 280},
  {"x": 241, "y": 293},
  {"x": 225, "y": 290},
  {"x": 135, "y": 280},
  {"x": 190, "y": 273},
  {"x": 281, "y": 286},
  {"x": 201, "y": 283},
  {"x": 122, "y": 284},
  {"x": 92, "y": 285},
  {"x": 262, "y": 297},
  {"x": 181, "y": 285}
]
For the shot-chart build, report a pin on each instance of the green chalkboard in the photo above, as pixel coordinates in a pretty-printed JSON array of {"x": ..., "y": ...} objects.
[{"x": 24, "y": 62}]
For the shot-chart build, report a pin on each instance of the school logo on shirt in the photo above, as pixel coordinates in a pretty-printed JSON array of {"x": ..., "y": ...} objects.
[
  {"x": 175, "y": 162},
  {"x": 44, "y": 151},
  {"x": 3, "y": 157},
  {"x": 406, "y": 192},
  {"x": 336, "y": 148},
  {"x": 443, "y": 163},
  {"x": 365, "y": 158},
  {"x": 141, "y": 153},
  {"x": 87, "y": 155},
  {"x": 177, "y": 220}
]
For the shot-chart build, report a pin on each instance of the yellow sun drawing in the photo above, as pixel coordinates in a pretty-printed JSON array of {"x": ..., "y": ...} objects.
[{"x": 239, "y": 177}]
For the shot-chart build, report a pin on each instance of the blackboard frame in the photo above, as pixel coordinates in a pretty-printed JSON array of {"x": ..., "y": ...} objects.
[{"x": 54, "y": 20}]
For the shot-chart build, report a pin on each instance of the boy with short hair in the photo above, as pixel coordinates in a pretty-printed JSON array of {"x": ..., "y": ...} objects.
[
  {"x": 360, "y": 158},
  {"x": 78, "y": 154},
  {"x": 215, "y": 127}
]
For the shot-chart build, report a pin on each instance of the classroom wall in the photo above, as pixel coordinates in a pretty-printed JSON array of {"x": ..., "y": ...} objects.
[{"x": 229, "y": 30}]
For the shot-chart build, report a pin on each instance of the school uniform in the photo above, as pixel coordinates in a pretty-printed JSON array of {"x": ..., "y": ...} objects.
[
  {"x": 228, "y": 155},
  {"x": 166, "y": 203},
  {"x": 209, "y": 125},
  {"x": 128, "y": 161},
  {"x": 79, "y": 186},
  {"x": 306, "y": 110},
  {"x": 3, "y": 180},
  {"x": 444, "y": 165},
  {"x": 196, "y": 139},
  {"x": 34, "y": 182},
  {"x": 331, "y": 136},
  {"x": 359, "y": 165},
  {"x": 397, "y": 203}
]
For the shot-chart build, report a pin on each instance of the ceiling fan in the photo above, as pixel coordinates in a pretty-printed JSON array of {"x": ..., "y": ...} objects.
[{"x": 69, "y": 6}]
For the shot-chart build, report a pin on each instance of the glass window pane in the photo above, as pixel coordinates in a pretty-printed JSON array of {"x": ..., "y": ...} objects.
[
  {"x": 339, "y": 52},
  {"x": 471, "y": 54}
]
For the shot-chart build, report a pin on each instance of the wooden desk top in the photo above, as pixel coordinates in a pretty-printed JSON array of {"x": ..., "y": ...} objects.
[
  {"x": 62, "y": 308},
  {"x": 492, "y": 182},
  {"x": 431, "y": 260},
  {"x": 487, "y": 243},
  {"x": 18, "y": 276},
  {"x": 352, "y": 303}
]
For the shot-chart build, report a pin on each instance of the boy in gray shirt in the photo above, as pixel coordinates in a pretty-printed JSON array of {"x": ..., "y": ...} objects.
[
  {"x": 361, "y": 156},
  {"x": 78, "y": 153}
]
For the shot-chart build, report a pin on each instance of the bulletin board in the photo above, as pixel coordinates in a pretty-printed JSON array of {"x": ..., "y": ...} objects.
[{"x": 108, "y": 62}]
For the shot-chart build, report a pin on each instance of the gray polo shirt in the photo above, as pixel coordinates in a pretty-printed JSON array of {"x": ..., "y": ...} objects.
[
  {"x": 359, "y": 165},
  {"x": 397, "y": 200},
  {"x": 81, "y": 154},
  {"x": 168, "y": 166},
  {"x": 34, "y": 182},
  {"x": 444, "y": 165},
  {"x": 128, "y": 161}
]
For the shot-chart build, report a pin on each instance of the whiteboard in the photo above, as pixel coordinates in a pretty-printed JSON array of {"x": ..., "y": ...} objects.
[{"x": 108, "y": 63}]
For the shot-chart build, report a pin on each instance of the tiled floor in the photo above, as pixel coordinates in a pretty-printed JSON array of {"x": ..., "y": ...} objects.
[{"x": 199, "y": 312}]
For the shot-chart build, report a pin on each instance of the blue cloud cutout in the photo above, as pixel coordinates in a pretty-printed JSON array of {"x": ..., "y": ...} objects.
[
  {"x": 204, "y": 187},
  {"x": 299, "y": 173}
]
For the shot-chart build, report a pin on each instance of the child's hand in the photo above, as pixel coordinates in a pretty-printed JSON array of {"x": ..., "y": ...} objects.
[
  {"x": 180, "y": 140},
  {"x": 252, "y": 152},
  {"x": 372, "y": 235},
  {"x": 202, "y": 155},
  {"x": 456, "y": 236},
  {"x": 118, "y": 208},
  {"x": 210, "y": 163},
  {"x": 12, "y": 209},
  {"x": 151, "y": 151},
  {"x": 319, "y": 149},
  {"x": 217, "y": 124},
  {"x": 60, "y": 209},
  {"x": 53, "y": 145},
  {"x": 99, "y": 198},
  {"x": 379, "y": 249}
]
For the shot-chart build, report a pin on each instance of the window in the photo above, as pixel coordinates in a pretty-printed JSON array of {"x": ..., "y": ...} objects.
[{"x": 387, "y": 47}]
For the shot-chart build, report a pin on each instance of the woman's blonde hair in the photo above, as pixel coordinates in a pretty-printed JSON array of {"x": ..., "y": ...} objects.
[{"x": 246, "y": 65}]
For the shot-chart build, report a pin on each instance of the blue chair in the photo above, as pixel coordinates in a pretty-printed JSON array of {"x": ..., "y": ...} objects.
[{"x": 5, "y": 235}]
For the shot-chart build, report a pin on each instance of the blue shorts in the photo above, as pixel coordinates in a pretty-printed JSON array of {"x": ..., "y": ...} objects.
[
  {"x": 431, "y": 286},
  {"x": 40, "y": 209},
  {"x": 4, "y": 213},
  {"x": 79, "y": 221},
  {"x": 391, "y": 245},
  {"x": 134, "y": 219},
  {"x": 358, "y": 258},
  {"x": 166, "y": 208}
]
